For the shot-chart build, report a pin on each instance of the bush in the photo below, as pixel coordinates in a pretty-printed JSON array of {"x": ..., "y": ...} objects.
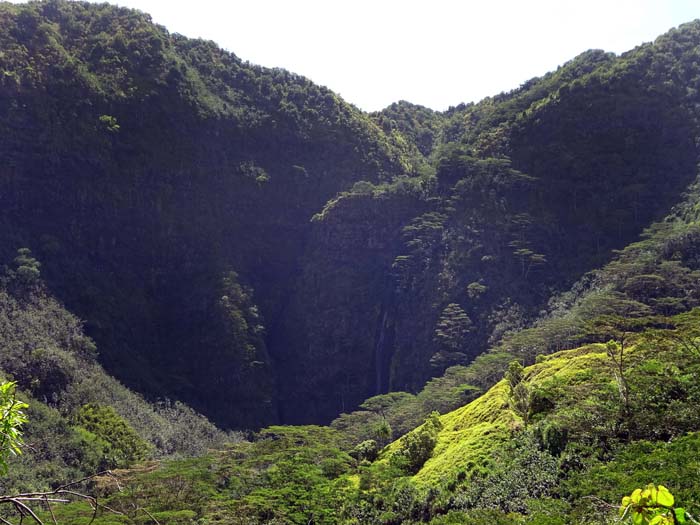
[
  {"x": 121, "y": 444},
  {"x": 367, "y": 450},
  {"x": 417, "y": 446}
]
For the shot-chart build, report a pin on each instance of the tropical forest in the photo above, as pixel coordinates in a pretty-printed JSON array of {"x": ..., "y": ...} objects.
[{"x": 230, "y": 297}]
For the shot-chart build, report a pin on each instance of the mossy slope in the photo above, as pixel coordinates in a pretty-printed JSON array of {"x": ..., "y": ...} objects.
[{"x": 472, "y": 433}]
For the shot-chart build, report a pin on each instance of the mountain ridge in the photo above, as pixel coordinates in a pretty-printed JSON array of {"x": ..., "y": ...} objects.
[
  {"x": 169, "y": 189},
  {"x": 495, "y": 308}
]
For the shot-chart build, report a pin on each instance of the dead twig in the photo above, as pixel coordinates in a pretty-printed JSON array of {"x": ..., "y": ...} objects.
[{"x": 61, "y": 494}]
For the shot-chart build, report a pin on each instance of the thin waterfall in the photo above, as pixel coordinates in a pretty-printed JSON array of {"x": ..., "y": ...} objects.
[{"x": 379, "y": 351}]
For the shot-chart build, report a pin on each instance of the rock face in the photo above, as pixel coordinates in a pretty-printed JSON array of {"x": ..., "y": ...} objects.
[
  {"x": 143, "y": 169},
  {"x": 243, "y": 240}
]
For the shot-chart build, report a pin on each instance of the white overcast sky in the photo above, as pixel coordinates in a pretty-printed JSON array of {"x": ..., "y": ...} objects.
[{"x": 437, "y": 53}]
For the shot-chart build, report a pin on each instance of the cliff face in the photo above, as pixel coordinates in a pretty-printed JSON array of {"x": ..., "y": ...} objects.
[
  {"x": 143, "y": 168},
  {"x": 241, "y": 239},
  {"x": 339, "y": 325},
  {"x": 531, "y": 189}
]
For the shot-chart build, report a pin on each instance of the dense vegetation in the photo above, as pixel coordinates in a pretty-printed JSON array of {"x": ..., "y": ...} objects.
[
  {"x": 213, "y": 208},
  {"x": 565, "y": 451},
  {"x": 81, "y": 419},
  {"x": 531, "y": 190},
  {"x": 154, "y": 175},
  {"x": 496, "y": 309}
]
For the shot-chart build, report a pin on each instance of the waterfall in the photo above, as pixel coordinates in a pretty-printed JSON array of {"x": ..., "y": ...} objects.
[{"x": 379, "y": 350}]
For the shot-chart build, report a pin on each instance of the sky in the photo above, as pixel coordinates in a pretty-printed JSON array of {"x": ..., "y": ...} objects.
[{"x": 436, "y": 53}]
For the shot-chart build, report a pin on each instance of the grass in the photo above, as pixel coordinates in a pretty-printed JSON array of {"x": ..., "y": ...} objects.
[{"x": 473, "y": 432}]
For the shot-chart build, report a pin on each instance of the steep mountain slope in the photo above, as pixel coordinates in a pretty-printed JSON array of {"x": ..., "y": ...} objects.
[
  {"x": 532, "y": 189},
  {"x": 243, "y": 240},
  {"x": 81, "y": 420},
  {"x": 144, "y": 168}
]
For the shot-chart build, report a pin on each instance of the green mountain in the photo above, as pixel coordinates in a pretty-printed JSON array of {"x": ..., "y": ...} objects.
[
  {"x": 167, "y": 187},
  {"x": 532, "y": 189},
  {"x": 243, "y": 242}
]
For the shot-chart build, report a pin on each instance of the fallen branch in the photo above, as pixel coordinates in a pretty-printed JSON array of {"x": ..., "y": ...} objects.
[{"x": 62, "y": 494}]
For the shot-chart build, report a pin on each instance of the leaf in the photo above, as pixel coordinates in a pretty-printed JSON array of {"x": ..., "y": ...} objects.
[
  {"x": 652, "y": 492},
  {"x": 680, "y": 515},
  {"x": 636, "y": 495},
  {"x": 664, "y": 497},
  {"x": 626, "y": 502}
]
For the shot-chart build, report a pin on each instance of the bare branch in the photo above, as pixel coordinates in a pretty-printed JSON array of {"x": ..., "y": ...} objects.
[
  {"x": 48, "y": 505},
  {"x": 86, "y": 478},
  {"x": 601, "y": 502},
  {"x": 26, "y": 511},
  {"x": 54, "y": 496},
  {"x": 149, "y": 515},
  {"x": 41, "y": 498}
]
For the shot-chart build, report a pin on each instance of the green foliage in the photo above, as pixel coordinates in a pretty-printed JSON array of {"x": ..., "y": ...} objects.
[
  {"x": 670, "y": 463},
  {"x": 382, "y": 431},
  {"x": 520, "y": 395},
  {"x": 289, "y": 474},
  {"x": 368, "y": 450},
  {"x": 514, "y": 375},
  {"x": 56, "y": 452},
  {"x": 53, "y": 363},
  {"x": 12, "y": 418},
  {"x": 419, "y": 125},
  {"x": 474, "y": 464},
  {"x": 450, "y": 334},
  {"x": 652, "y": 505},
  {"x": 518, "y": 473},
  {"x": 81, "y": 513},
  {"x": 440, "y": 235},
  {"x": 417, "y": 447},
  {"x": 110, "y": 123},
  {"x": 27, "y": 269},
  {"x": 476, "y": 289},
  {"x": 121, "y": 445}
]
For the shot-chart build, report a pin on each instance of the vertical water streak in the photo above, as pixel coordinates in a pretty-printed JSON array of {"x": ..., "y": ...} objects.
[{"x": 379, "y": 360}]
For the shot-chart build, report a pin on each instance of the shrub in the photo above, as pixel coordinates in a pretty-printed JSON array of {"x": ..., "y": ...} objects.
[{"x": 417, "y": 446}]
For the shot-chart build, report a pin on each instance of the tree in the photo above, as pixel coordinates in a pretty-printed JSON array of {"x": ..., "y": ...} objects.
[
  {"x": 528, "y": 258},
  {"x": 12, "y": 418},
  {"x": 27, "y": 267},
  {"x": 417, "y": 446},
  {"x": 451, "y": 334},
  {"x": 382, "y": 432},
  {"x": 452, "y": 328},
  {"x": 520, "y": 395},
  {"x": 121, "y": 445},
  {"x": 616, "y": 353},
  {"x": 618, "y": 329}
]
